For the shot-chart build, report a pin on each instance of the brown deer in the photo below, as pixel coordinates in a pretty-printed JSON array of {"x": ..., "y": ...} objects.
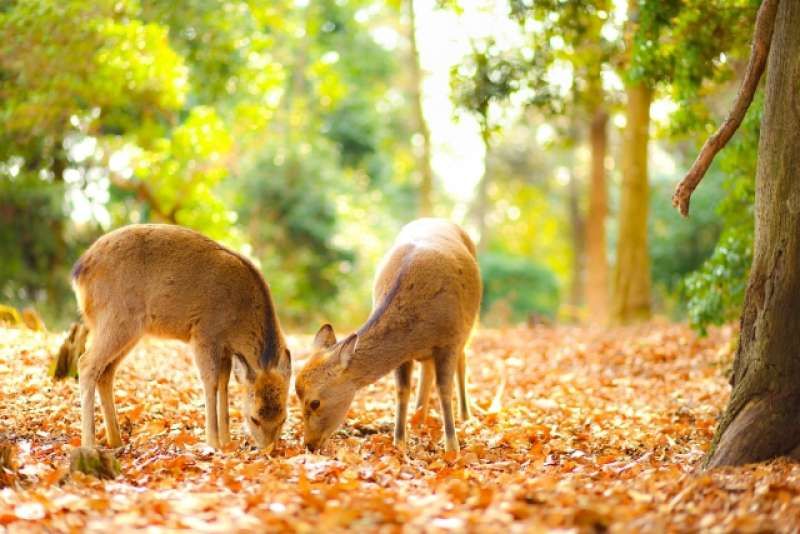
[
  {"x": 425, "y": 302},
  {"x": 172, "y": 282}
]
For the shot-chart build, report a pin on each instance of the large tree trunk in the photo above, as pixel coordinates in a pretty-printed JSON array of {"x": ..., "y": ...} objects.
[
  {"x": 424, "y": 157},
  {"x": 632, "y": 273},
  {"x": 596, "y": 288},
  {"x": 762, "y": 420}
]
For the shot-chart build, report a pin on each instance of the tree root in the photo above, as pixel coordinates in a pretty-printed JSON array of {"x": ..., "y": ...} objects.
[{"x": 767, "y": 426}]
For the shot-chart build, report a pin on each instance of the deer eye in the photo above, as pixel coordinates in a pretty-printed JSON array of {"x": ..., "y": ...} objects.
[
  {"x": 314, "y": 404},
  {"x": 255, "y": 421}
]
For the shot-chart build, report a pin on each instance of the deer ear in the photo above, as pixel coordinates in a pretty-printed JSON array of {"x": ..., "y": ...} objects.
[
  {"x": 347, "y": 350},
  {"x": 285, "y": 363},
  {"x": 325, "y": 338},
  {"x": 244, "y": 373}
]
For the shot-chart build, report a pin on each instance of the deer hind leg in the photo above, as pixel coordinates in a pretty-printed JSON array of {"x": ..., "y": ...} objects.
[
  {"x": 427, "y": 372},
  {"x": 445, "y": 362},
  {"x": 110, "y": 343},
  {"x": 208, "y": 357},
  {"x": 402, "y": 377},
  {"x": 223, "y": 420},
  {"x": 461, "y": 375}
]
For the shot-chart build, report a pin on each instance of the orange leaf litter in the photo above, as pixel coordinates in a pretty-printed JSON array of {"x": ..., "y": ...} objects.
[{"x": 593, "y": 430}]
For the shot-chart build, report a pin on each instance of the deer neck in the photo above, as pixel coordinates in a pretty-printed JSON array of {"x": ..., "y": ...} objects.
[{"x": 378, "y": 352}]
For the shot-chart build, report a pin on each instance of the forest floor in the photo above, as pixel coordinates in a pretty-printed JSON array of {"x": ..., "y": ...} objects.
[{"x": 593, "y": 431}]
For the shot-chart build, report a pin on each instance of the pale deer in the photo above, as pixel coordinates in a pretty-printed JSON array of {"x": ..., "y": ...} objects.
[
  {"x": 426, "y": 298},
  {"x": 173, "y": 282}
]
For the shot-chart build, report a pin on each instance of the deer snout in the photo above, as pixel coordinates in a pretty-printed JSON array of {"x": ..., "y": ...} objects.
[
  {"x": 264, "y": 440},
  {"x": 268, "y": 448}
]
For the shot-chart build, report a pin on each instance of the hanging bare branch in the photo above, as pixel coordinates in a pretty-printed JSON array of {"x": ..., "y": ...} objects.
[{"x": 762, "y": 37}]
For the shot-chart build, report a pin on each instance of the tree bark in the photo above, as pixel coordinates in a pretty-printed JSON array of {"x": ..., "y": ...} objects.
[
  {"x": 596, "y": 288},
  {"x": 632, "y": 274},
  {"x": 762, "y": 419},
  {"x": 424, "y": 157}
]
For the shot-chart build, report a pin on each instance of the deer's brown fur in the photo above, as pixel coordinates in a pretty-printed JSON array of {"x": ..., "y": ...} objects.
[
  {"x": 425, "y": 301},
  {"x": 172, "y": 282}
]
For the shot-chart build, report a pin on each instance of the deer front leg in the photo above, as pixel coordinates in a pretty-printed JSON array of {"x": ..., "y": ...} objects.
[
  {"x": 208, "y": 362},
  {"x": 222, "y": 402},
  {"x": 109, "y": 345},
  {"x": 87, "y": 380}
]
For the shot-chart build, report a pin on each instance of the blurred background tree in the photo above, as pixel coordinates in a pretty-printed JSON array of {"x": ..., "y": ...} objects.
[
  {"x": 306, "y": 133},
  {"x": 570, "y": 36}
]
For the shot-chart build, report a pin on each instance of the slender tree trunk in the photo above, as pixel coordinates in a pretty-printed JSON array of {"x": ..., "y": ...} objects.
[
  {"x": 596, "y": 257},
  {"x": 577, "y": 224},
  {"x": 631, "y": 284},
  {"x": 424, "y": 157},
  {"x": 632, "y": 273},
  {"x": 762, "y": 420}
]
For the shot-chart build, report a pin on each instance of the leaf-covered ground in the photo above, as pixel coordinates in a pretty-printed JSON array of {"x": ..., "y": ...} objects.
[{"x": 593, "y": 430}]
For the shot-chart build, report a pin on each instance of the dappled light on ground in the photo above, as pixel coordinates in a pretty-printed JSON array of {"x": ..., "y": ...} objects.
[{"x": 593, "y": 429}]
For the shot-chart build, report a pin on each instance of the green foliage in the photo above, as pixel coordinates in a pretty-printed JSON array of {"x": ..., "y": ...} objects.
[
  {"x": 520, "y": 285},
  {"x": 28, "y": 210},
  {"x": 78, "y": 71},
  {"x": 488, "y": 76},
  {"x": 529, "y": 212},
  {"x": 565, "y": 34},
  {"x": 35, "y": 261},
  {"x": 291, "y": 222},
  {"x": 680, "y": 41},
  {"x": 248, "y": 121},
  {"x": 138, "y": 54},
  {"x": 282, "y": 128},
  {"x": 333, "y": 135},
  {"x": 716, "y": 291},
  {"x": 65, "y": 59},
  {"x": 353, "y": 128},
  {"x": 181, "y": 172},
  {"x": 679, "y": 246},
  {"x": 687, "y": 46},
  {"x": 227, "y": 46}
]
